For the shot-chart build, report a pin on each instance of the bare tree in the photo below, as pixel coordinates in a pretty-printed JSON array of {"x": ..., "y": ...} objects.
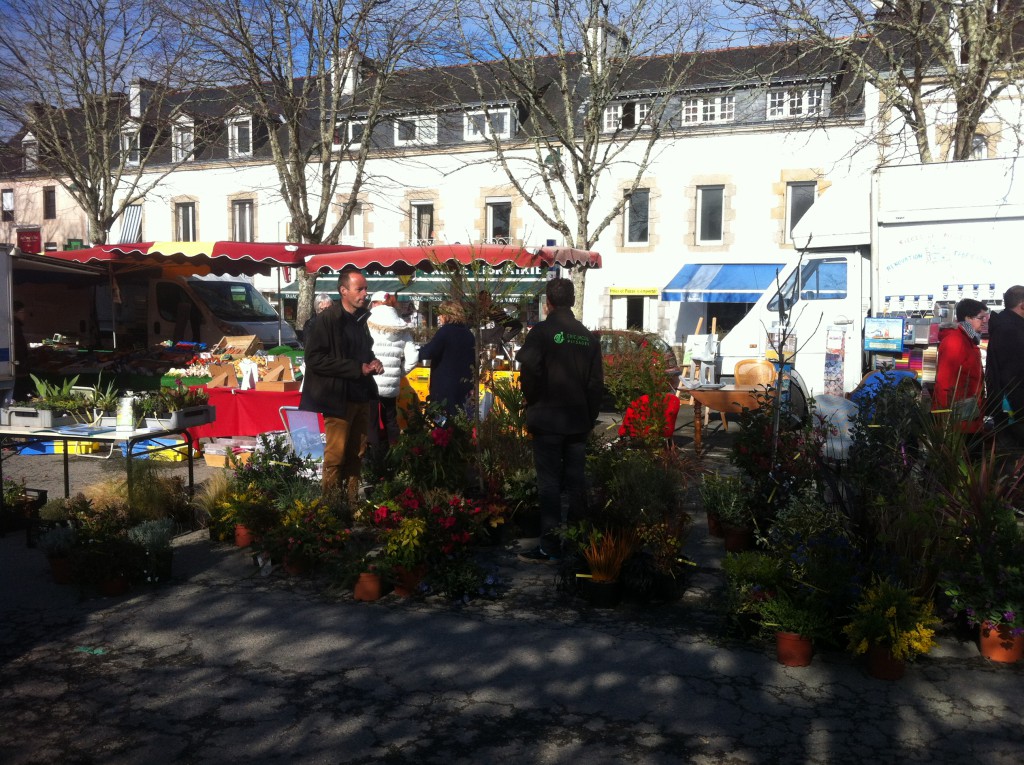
[
  {"x": 591, "y": 85},
  {"x": 317, "y": 72},
  {"x": 75, "y": 93},
  {"x": 941, "y": 66}
]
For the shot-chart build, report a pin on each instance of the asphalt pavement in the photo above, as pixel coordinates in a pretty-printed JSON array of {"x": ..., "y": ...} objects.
[{"x": 227, "y": 665}]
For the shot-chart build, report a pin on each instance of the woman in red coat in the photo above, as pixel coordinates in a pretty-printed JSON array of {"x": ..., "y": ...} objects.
[{"x": 959, "y": 376}]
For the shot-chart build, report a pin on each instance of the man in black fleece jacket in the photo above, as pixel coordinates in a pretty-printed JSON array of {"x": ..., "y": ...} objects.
[
  {"x": 1004, "y": 367},
  {"x": 339, "y": 382},
  {"x": 562, "y": 381}
]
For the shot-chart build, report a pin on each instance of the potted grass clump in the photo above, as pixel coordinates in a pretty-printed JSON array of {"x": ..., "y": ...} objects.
[{"x": 605, "y": 552}]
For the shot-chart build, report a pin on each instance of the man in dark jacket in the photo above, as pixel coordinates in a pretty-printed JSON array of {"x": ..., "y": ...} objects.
[
  {"x": 339, "y": 381},
  {"x": 1004, "y": 367},
  {"x": 562, "y": 381}
]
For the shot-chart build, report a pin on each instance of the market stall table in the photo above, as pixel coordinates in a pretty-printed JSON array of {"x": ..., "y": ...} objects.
[
  {"x": 12, "y": 434},
  {"x": 245, "y": 412}
]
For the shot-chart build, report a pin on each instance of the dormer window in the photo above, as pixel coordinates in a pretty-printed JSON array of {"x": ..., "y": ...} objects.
[
  {"x": 30, "y": 155},
  {"x": 627, "y": 115},
  {"x": 416, "y": 131},
  {"x": 130, "y": 147},
  {"x": 240, "y": 137},
  {"x": 348, "y": 132},
  {"x": 794, "y": 102},
  {"x": 183, "y": 142},
  {"x": 713, "y": 109},
  {"x": 481, "y": 126}
]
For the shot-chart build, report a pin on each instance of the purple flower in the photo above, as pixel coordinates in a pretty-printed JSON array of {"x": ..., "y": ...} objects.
[{"x": 1009, "y": 617}]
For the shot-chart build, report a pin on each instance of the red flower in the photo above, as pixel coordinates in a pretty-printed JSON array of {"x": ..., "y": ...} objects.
[{"x": 441, "y": 436}]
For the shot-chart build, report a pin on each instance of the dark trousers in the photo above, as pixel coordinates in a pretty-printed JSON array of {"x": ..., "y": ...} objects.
[
  {"x": 383, "y": 428},
  {"x": 560, "y": 461}
]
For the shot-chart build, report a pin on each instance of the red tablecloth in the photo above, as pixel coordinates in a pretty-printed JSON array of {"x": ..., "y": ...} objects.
[{"x": 245, "y": 412}]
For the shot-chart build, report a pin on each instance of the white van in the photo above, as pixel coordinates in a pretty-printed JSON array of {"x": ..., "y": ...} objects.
[{"x": 194, "y": 308}]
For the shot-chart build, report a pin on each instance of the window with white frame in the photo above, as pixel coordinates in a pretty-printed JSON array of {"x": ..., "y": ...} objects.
[
  {"x": 352, "y": 232},
  {"x": 30, "y": 155},
  {"x": 356, "y": 129},
  {"x": 185, "y": 221},
  {"x": 638, "y": 216},
  {"x": 710, "y": 214},
  {"x": 243, "y": 220},
  {"x": 627, "y": 115},
  {"x": 794, "y": 102},
  {"x": 7, "y": 198},
  {"x": 421, "y": 221},
  {"x": 483, "y": 125},
  {"x": 416, "y": 131},
  {"x": 800, "y": 197},
  {"x": 711, "y": 109},
  {"x": 183, "y": 144},
  {"x": 979, "y": 146},
  {"x": 499, "y": 221},
  {"x": 240, "y": 140},
  {"x": 130, "y": 147}
]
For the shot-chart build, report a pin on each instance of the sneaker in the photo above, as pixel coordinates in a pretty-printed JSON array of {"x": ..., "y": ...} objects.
[{"x": 537, "y": 555}]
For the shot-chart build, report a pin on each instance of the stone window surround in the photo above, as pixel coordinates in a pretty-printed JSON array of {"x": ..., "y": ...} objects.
[{"x": 653, "y": 219}]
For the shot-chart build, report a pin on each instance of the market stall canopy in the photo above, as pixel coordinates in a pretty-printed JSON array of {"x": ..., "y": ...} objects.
[
  {"x": 234, "y": 258},
  {"x": 720, "y": 282},
  {"x": 425, "y": 287},
  {"x": 404, "y": 260}
]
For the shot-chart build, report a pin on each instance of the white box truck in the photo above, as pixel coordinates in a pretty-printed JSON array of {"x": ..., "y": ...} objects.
[{"x": 877, "y": 254}]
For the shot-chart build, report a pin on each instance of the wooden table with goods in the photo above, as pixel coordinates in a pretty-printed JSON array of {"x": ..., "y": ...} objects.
[{"x": 731, "y": 399}]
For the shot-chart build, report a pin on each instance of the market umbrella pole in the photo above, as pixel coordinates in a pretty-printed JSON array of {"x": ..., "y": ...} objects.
[{"x": 280, "y": 310}]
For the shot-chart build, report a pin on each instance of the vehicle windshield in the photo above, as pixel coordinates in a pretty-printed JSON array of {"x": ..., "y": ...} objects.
[
  {"x": 234, "y": 301},
  {"x": 823, "y": 279}
]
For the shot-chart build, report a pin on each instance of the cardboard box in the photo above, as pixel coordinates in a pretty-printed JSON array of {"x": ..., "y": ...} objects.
[
  {"x": 278, "y": 385},
  {"x": 236, "y": 346}
]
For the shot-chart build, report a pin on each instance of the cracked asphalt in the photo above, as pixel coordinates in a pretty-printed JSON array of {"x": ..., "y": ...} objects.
[{"x": 224, "y": 665}]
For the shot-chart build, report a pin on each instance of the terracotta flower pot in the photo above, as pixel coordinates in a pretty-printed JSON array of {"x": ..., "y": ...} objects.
[
  {"x": 714, "y": 525},
  {"x": 883, "y": 665},
  {"x": 113, "y": 587},
  {"x": 407, "y": 581},
  {"x": 998, "y": 643},
  {"x": 793, "y": 650},
  {"x": 61, "y": 570},
  {"x": 738, "y": 538},
  {"x": 297, "y": 566},
  {"x": 243, "y": 537},
  {"x": 368, "y": 587}
]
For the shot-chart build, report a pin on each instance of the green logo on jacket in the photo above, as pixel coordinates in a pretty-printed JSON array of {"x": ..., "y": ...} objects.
[{"x": 559, "y": 338}]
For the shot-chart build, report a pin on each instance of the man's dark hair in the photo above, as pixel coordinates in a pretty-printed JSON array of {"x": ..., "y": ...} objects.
[
  {"x": 968, "y": 308},
  {"x": 1013, "y": 297},
  {"x": 346, "y": 276},
  {"x": 560, "y": 293}
]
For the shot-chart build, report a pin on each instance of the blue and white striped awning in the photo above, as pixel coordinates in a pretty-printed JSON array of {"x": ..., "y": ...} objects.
[{"x": 721, "y": 282}]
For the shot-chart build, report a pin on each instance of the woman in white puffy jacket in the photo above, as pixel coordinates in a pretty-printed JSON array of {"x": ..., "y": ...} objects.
[{"x": 393, "y": 345}]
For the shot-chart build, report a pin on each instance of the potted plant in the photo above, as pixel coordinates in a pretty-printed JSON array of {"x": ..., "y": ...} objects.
[
  {"x": 106, "y": 563},
  {"x": 892, "y": 626},
  {"x": 605, "y": 552},
  {"x": 720, "y": 494},
  {"x": 405, "y": 554},
  {"x": 991, "y": 597},
  {"x": 184, "y": 406},
  {"x": 308, "y": 533},
  {"x": 154, "y": 537},
  {"x": 725, "y": 498},
  {"x": 104, "y": 403},
  {"x": 796, "y": 622},
  {"x": 56, "y": 544},
  {"x": 751, "y": 577}
]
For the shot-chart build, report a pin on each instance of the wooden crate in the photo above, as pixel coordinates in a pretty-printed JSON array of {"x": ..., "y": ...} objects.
[{"x": 236, "y": 345}]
